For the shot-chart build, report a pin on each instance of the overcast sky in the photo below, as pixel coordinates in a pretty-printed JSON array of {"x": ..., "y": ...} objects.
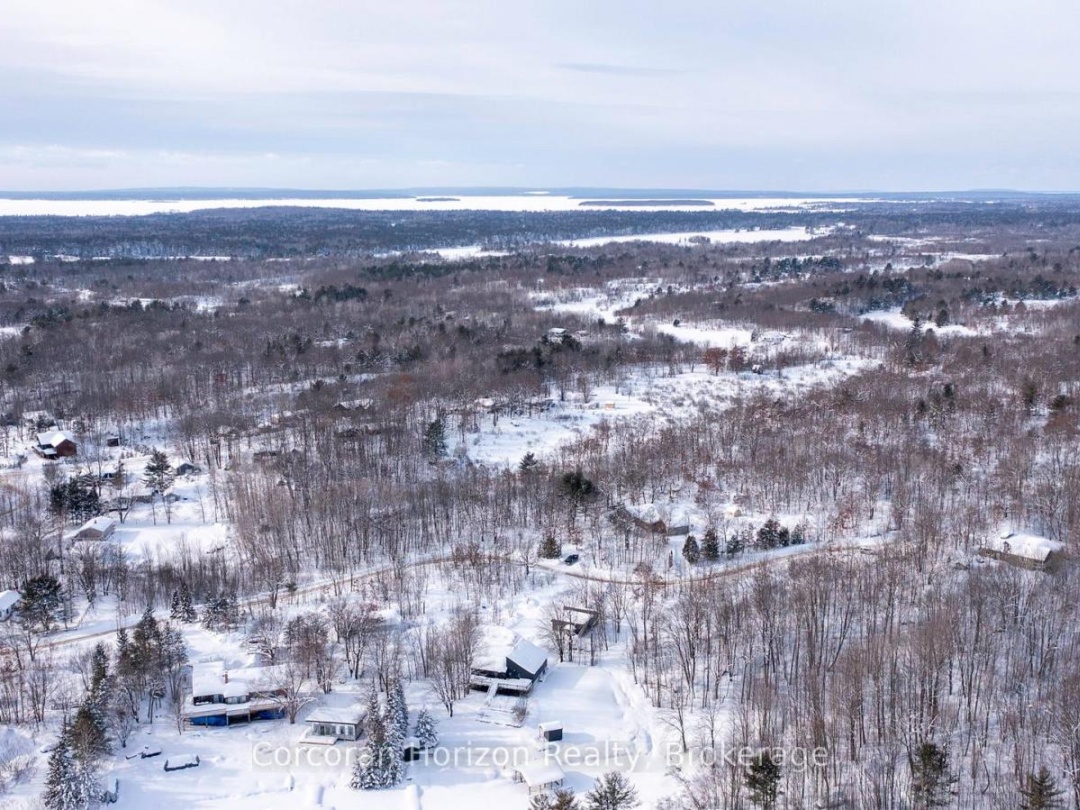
[{"x": 349, "y": 94}]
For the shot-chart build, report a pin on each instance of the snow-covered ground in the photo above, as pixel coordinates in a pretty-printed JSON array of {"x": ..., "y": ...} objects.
[
  {"x": 895, "y": 319},
  {"x": 263, "y": 766},
  {"x": 1009, "y": 322},
  {"x": 730, "y": 236},
  {"x": 666, "y": 398},
  {"x": 664, "y": 395}
]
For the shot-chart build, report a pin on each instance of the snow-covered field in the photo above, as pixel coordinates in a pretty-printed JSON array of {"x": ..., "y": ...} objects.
[
  {"x": 729, "y": 236},
  {"x": 665, "y": 398},
  {"x": 895, "y": 320}
]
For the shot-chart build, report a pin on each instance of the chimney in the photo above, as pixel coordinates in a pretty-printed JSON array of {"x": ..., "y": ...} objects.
[{"x": 225, "y": 675}]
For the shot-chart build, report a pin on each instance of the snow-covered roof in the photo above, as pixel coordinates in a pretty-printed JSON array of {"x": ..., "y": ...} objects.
[
  {"x": 538, "y": 774},
  {"x": 207, "y": 677},
  {"x": 338, "y": 714},
  {"x": 99, "y": 524},
  {"x": 1029, "y": 546},
  {"x": 8, "y": 599},
  {"x": 528, "y": 656},
  {"x": 212, "y": 678},
  {"x": 497, "y": 644},
  {"x": 552, "y": 725},
  {"x": 53, "y": 438},
  {"x": 235, "y": 687}
]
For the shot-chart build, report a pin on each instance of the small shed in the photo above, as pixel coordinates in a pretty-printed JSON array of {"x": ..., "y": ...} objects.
[
  {"x": 186, "y": 468},
  {"x": 410, "y": 749},
  {"x": 550, "y": 731},
  {"x": 99, "y": 528},
  {"x": 577, "y": 621},
  {"x": 540, "y": 777},
  {"x": 336, "y": 723},
  {"x": 8, "y": 601}
]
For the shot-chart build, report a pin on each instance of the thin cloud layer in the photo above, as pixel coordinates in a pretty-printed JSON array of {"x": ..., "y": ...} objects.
[{"x": 783, "y": 95}]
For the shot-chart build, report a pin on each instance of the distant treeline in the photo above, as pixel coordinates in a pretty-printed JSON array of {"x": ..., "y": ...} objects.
[{"x": 289, "y": 231}]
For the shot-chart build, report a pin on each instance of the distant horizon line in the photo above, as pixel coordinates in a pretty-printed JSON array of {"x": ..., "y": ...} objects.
[{"x": 406, "y": 192}]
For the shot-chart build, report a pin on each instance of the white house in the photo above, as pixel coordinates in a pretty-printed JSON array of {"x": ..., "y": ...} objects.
[
  {"x": 333, "y": 723},
  {"x": 542, "y": 776},
  {"x": 8, "y": 601}
]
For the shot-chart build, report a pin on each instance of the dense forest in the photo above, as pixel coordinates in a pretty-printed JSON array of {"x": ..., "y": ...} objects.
[{"x": 908, "y": 387}]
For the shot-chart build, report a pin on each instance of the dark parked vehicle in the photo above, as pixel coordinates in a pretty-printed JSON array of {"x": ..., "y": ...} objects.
[{"x": 572, "y": 558}]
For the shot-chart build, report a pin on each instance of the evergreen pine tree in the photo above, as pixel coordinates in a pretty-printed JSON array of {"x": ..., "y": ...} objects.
[
  {"x": 213, "y": 613},
  {"x": 798, "y": 534},
  {"x": 41, "y": 601},
  {"x": 930, "y": 776},
  {"x": 763, "y": 780},
  {"x": 232, "y": 608},
  {"x": 550, "y": 548},
  {"x": 559, "y": 799},
  {"x": 158, "y": 474},
  {"x": 379, "y": 764},
  {"x": 175, "y": 608},
  {"x": 221, "y": 611},
  {"x": 710, "y": 547},
  {"x": 690, "y": 549},
  {"x": 68, "y": 784},
  {"x": 768, "y": 535},
  {"x": 612, "y": 791},
  {"x": 435, "y": 438},
  {"x": 187, "y": 609},
  {"x": 1040, "y": 792},
  {"x": 87, "y": 734},
  {"x": 147, "y": 635},
  {"x": 528, "y": 463},
  {"x": 99, "y": 671},
  {"x": 397, "y": 713},
  {"x": 426, "y": 730}
]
